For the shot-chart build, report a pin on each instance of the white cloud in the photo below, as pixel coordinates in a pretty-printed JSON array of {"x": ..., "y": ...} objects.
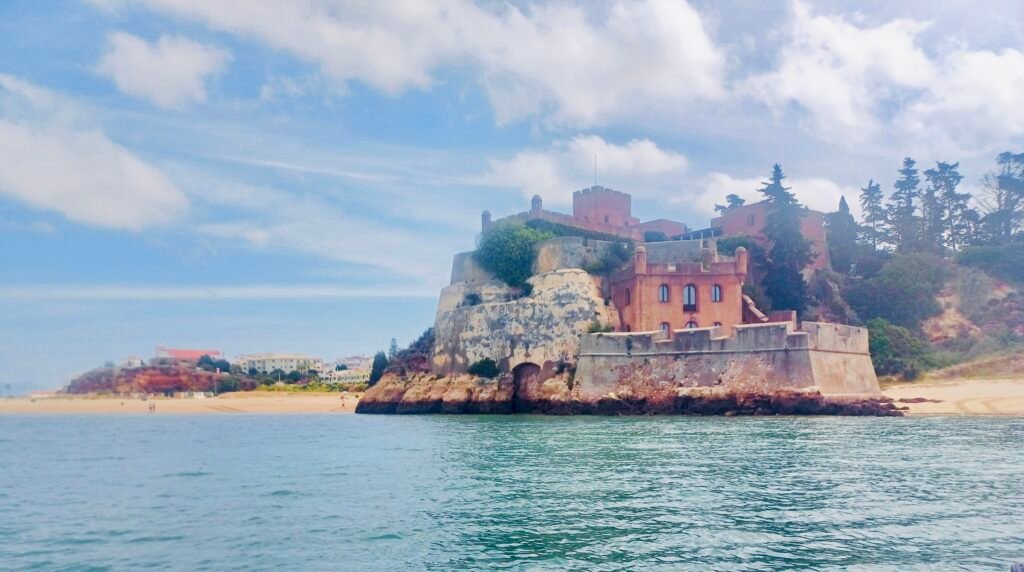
[
  {"x": 267, "y": 218},
  {"x": 639, "y": 167},
  {"x": 171, "y": 73},
  {"x": 76, "y": 171},
  {"x": 581, "y": 66},
  {"x": 589, "y": 69},
  {"x": 839, "y": 73},
  {"x": 973, "y": 104},
  {"x": 816, "y": 193}
]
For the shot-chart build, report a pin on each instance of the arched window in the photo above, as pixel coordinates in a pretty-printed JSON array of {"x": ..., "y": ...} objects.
[
  {"x": 628, "y": 329},
  {"x": 691, "y": 325},
  {"x": 663, "y": 293},
  {"x": 690, "y": 298},
  {"x": 665, "y": 328},
  {"x": 716, "y": 293},
  {"x": 629, "y": 297},
  {"x": 717, "y": 324}
]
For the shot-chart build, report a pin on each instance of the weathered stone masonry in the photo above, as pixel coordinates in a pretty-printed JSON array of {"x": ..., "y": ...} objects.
[{"x": 764, "y": 358}]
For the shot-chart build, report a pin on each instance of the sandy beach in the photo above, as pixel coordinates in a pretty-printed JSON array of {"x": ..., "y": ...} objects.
[
  {"x": 961, "y": 396},
  {"x": 241, "y": 402},
  {"x": 945, "y": 397}
]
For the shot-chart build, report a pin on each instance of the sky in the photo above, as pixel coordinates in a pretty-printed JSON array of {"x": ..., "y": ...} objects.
[{"x": 257, "y": 175}]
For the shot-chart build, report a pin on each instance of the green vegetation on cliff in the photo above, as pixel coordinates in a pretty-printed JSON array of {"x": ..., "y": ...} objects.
[
  {"x": 380, "y": 363},
  {"x": 897, "y": 351},
  {"x": 485, "y": 367},
  {"x": 903, "y": 292},
  {"x": 1005, "y": 261},
  {"x": 508, "y": 252}
]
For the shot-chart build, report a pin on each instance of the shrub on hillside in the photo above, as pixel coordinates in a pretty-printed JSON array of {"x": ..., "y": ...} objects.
[
  {"x": 611, "y": 259},
  {"x": 903, "y": 292},
  {"x": 485, "y": 367},
  {"x": 597, "y": 327},
  {"x": 897, "y": 351},
  {"x": 1005, "y": 261},
  {"x": 507, "y": 251},
  {"x": 555, "y": 229},
  {"x": 416, "y": 357}
]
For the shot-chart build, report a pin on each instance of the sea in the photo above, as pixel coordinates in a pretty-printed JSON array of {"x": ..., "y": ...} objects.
[{"x": 355, "y": 492}]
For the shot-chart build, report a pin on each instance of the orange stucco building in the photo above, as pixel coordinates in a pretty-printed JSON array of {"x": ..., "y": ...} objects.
[
  {"x": 750, "y": 220},
  {"x": 671, "y": 293},
  {"x": 676, "y": 284}
]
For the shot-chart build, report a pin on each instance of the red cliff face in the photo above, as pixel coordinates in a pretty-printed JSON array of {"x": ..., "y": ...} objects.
[{"x": 154, "y": 379}]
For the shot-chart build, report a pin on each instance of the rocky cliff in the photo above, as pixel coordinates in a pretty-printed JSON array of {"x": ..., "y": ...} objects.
[
  {"x": 560, "y": 395},
  {"x": 149, "y": 379},
  {"x": 484, "y": 319}
]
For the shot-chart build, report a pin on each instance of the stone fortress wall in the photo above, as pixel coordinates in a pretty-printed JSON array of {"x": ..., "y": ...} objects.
[{"x": 830, "y": 358}]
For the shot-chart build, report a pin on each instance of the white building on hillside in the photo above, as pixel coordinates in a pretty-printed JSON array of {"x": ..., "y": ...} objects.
[
  {"x": 357, "y": 363},
  {"x": 266, "y": 363},
  {"x": 346, "y": 376}
]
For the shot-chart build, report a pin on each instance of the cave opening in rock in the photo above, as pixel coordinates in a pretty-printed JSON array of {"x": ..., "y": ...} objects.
[{"x": 524, "y": 376}]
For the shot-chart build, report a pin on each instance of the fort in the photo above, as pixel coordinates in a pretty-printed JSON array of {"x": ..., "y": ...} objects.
[
  {"x": 667, "y": 331},
  {"x": 596, "y": 209}
]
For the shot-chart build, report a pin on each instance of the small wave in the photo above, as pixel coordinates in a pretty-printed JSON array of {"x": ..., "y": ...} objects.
[
  {"x": 187, "y": 474},
  {"x": 77, "y": 541},
  {"x": 148, "y": 539},
  {"x": 387, "y": 536}
]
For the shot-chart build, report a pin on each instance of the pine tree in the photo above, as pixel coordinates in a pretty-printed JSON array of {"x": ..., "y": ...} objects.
[
  {"x": 789, "y": 252},
  {"x": 875, "y": 215},
  {"x": 842, "y": 237},
  {"x": 947, "y": 216},
  {"x": 902, "y": 210},
  {"x": 731, "y": 201},
  {"x": 377, "y": 369},
  {"x": 392, "y": 349},
  {"x": 1002, "y": 199}
]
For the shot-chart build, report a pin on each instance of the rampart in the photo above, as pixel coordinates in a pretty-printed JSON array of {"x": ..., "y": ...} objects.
[{"x": 762, "y": 358}]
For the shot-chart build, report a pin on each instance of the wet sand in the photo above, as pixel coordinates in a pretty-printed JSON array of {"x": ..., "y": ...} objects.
[
  {"x": 241, "y": 402},
  {"x": 961, "y": 396}
]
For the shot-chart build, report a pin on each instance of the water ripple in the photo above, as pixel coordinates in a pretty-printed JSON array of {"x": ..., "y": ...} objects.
[{"x": 493, "y": 493}]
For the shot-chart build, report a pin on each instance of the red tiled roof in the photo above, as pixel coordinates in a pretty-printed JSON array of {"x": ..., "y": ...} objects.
[{"x": 185, "y": 354}]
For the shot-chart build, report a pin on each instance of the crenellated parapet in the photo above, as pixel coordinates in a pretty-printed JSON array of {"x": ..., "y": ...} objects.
[{"x": 830, "y": 358}]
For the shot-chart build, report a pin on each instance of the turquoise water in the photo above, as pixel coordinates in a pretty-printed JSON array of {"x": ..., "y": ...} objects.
[{"x": 353, "y": 492}]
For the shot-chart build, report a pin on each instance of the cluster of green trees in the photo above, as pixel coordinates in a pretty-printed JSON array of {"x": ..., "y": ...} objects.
[
  {"x": 507, "y": 250},
  {"x": 207, "y": 363},
  {"x": 414, "y": 358},
  {"x": 934, "y": 215},
  {"x": 891, "y": 265}
]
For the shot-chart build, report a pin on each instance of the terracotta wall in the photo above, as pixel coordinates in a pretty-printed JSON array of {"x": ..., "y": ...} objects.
[
  {"x": 750, "y": 220},
  {"x": 637, "y": 291},
  {"x": 645, "y": 312},
  {"x": 601, "y": 206}
]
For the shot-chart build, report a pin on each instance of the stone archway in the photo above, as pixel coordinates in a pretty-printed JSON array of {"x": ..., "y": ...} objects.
[{"x": 525, "y": 381}]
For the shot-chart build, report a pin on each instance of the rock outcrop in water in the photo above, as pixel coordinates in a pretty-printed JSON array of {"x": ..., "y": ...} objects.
[{"x": 427, "y": 393}]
